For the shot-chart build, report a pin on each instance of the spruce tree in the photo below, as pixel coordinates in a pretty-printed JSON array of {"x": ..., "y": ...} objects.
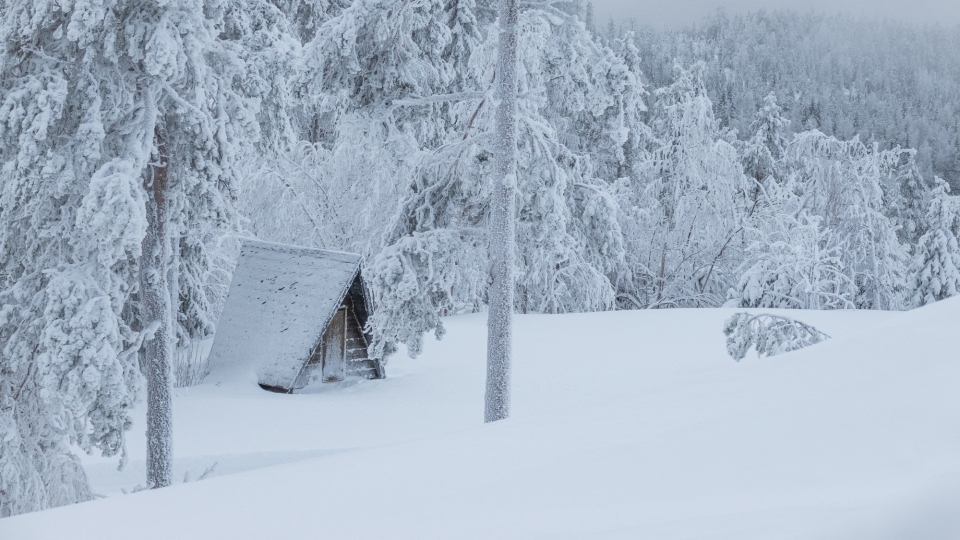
[
  {"x": 935, "y": 273},
  {"x": 762, "y": 152}
]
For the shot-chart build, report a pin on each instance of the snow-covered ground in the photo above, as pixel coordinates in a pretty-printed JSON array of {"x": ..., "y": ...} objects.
[{"x": 625, "y": 425}]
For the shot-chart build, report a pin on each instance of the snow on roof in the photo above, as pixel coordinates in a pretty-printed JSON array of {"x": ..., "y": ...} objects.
[{"x": 280, "y": 301}]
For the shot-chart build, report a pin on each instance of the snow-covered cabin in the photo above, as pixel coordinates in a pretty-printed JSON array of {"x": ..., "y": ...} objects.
[{"x": 294, "y": 315}]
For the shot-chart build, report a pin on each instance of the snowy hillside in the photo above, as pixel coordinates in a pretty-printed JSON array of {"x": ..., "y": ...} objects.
[{"x": 625, "y": 425}]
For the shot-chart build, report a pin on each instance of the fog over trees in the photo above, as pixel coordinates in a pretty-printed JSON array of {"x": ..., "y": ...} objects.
[{"x": 885, "y": 81}]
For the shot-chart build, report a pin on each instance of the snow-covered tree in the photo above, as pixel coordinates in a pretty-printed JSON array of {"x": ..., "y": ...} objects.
[
  {"x": 72, "y": 214},
  {"x": 466, "y": 34},
  {"x": 593, "y": 98},
  {"x": 202, "y": 127},
  {"x": 264, "y": 40},
  {"x": 935, "y": 273},
  {"x": 638, "y": 134},
  {"x": 762, "y": 152},
  {"x": 119, "y": 121},
  {"x": 72, "y": 217},
  {"x": 907, "y": 199},
  {"x": 502, "y": 232},
  {"x": 568, "y": 236},
  {"x": 841, "y": 182},
  {"x": 375, "y": 52},
  {"x": 588, "y": 18},
  {"x": 793, "y": 262},
  {"x": 684, "y": 213},
  {"x": 305, "y": 17}
]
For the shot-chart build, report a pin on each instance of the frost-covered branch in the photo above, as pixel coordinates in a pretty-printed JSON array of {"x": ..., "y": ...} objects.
[
  {"x": 769, "y": 335},
  {"x": 416, "y": 101}
]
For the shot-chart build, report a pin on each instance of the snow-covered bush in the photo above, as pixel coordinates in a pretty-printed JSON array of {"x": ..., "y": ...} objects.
[
  {"x": 422, "y": 276},
  {"x": 794, "y": 262},
  {"x": 770, "y": 335}
]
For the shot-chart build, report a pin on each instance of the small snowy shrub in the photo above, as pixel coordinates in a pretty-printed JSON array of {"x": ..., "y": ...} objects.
[
  {"x": 794, "y": 262},
  {"x": 770, "y": 334}
]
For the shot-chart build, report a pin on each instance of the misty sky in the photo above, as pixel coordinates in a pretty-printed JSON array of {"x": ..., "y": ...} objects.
[{"x": 677, "y": 12}]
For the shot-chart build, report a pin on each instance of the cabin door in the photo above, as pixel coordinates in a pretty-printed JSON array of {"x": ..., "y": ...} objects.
[{"x": 334, "y": 348}]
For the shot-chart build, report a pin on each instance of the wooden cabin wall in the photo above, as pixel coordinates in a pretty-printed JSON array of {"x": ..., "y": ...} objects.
[
  {"x": 358, "y": 296},
  {"x": 358, "y": 363}
]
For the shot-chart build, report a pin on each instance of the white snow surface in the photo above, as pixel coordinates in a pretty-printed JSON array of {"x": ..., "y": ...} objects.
[{"x": 624, "y": 425}]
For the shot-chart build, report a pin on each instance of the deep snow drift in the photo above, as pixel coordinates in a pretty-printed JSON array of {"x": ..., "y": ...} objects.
[{"x": 625, "y": 425}]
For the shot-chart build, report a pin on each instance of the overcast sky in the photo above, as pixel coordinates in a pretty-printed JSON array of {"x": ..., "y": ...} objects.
[{"x": 679, "y": 12}]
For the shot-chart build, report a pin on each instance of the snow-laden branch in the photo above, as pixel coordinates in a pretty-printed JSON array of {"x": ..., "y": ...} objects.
[
  {"x": 548, "y": 9},
  {"x": 440, "y": 98},
  {"x": 769, "y": 334}
]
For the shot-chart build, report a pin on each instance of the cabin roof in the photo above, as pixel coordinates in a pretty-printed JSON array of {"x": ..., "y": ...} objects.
[{"x": 280, "y": 301}]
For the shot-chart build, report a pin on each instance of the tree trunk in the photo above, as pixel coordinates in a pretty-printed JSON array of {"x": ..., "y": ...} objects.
[
  {"x": 156, "y": 305},
  {"x": 502, "y": 222},
  {"x": 180, "y": 374}
]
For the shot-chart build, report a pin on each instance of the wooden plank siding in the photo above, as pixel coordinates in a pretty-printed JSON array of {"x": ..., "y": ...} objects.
[{"x": 358, "y": 362}]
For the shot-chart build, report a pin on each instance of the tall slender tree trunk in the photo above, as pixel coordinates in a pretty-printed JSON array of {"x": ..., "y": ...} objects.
[
  {"x": 502, "y": 223},
  {"x": 155, "y": 299}
]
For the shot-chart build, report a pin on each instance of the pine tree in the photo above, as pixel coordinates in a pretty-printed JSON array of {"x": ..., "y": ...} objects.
[
  {"x": 307, "y": 16},
  {"x": 907, "y": 199},
  {"x": 203, "y": 125},
  {"x": 588, "y": 20},
  {"x": 465, "y": 37},
  {"x": 762, "y": 152},
  {"x": 157, "y": 311},
  {"x": 935, "y": 273},
  {"x": 72, "y": 218},
  {"x": 119, "y": 122}
]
